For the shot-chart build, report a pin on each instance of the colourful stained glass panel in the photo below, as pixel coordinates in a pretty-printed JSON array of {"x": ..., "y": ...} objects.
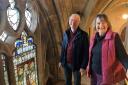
[
  {"x": 5, "y": 69},
  {"x": 25, "y": 61}
]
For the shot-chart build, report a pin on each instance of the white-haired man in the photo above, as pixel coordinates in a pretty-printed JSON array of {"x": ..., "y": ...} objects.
[{"x": 74, "y": 52}]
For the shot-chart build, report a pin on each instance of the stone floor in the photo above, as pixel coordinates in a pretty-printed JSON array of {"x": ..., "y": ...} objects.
[{"x": 85, "y": 81}]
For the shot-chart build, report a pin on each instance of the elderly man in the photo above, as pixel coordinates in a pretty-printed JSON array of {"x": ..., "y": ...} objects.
[{"x": 74, "y": 52}]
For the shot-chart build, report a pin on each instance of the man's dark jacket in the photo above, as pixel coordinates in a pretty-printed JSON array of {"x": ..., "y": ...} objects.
[{"x": 80, "y": 49}]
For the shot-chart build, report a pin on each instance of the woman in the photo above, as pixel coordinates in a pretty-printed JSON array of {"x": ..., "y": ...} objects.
[{"x": 107, "y": 56}]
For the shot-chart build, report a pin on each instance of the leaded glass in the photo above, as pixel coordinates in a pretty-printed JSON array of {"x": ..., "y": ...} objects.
[
  {"x": 13, "y": 15},
  {"x": 25, "y": 61},
  {"x": 31, "y": 15},
  {"x": 3, "y": 36},
  {"x": 28, "y": 17}
]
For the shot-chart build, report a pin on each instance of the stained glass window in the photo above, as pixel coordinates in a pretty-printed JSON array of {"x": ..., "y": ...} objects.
[
  {"x": 5, "y": 69},
  {"x": 25, "y": 61},
  {"x": 13, "y": 15},
  {"x": 3, "y": 36}
]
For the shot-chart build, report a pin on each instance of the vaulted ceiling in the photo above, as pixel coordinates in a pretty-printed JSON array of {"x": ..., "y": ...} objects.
[{"x": 54, "y": 13}]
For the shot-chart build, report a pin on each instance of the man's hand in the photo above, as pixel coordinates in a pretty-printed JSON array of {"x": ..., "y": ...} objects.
[
  {"x": 82, "y": 71},
  {"x": 60, "y": 65}
]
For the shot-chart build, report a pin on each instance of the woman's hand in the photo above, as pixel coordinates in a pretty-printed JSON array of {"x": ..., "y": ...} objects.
[
  {"x": 127, "y": 73},
  {"x": 88, "y": 72}
]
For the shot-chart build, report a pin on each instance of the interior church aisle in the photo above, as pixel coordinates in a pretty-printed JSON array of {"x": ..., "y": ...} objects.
[{"x": 85, "y": 81}]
